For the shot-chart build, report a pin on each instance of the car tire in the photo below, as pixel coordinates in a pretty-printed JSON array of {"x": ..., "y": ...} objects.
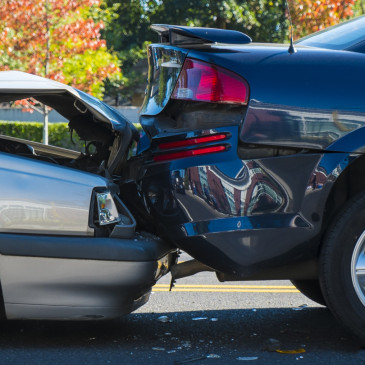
[
  {"x": 342, "y": 267},
  {"x": 311, "y": 289}
]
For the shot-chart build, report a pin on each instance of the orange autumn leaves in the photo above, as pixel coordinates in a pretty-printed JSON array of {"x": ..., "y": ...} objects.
[
  {"x": 310, "y": 16},
  {"x": 61, "y": 39},
  {"x": 57, "y": 39}
]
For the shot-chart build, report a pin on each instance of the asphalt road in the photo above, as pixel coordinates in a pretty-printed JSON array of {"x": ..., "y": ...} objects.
[{"x": 201, "y": 321}]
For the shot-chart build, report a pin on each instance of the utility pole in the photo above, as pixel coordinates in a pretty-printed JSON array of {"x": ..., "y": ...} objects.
[{"x": 46, "y": 70}]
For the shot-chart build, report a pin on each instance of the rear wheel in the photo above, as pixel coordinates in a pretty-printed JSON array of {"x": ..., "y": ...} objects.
[
  {"x": 311, "y": 289},
  {"x": 342, "y": 267}
]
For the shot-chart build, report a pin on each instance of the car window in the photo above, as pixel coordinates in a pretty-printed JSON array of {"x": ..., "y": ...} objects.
[{"x": 340, "y": 37}]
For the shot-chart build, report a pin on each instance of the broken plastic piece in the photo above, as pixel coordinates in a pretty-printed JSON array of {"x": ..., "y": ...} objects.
[
  {"x": 272, "y": 345},
  {"x": 247, "y": 358},
  {"x": 186, "y": 344},
  {"x": 213, "y": 356},
  {"x": 297, "y": 351},
  {"x": 163, "y": 319},
  {"x": 172, "y": 283},
  {"x": 301, "y": 307},
  {"x": 199, "y": 318}
]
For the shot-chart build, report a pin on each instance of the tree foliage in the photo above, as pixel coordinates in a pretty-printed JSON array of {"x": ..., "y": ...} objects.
[
  {"x": 59, "y": 39},
  {"x": 310, "y": 16},
  {"x": 263, "y": 20}
]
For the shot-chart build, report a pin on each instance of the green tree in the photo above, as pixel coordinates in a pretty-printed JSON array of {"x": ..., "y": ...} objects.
[
  {"x": 263, "y": 20},
  {"x": 359, "y": 7},
  {"x": 59, "y": 39}
]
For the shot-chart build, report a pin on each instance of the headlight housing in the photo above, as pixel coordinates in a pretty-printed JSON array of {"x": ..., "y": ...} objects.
[{"x": 107, "y": 212}]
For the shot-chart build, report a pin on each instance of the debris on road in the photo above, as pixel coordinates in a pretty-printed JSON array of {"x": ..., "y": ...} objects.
[
  {"x": 247, "y": 358},
  {"x": 186, "y": 344},
  {"x": 199, "y": 318},
  {"x": 158, "y": 349},
  {"x": 272, "y": 345},
  {"x": 163, "y": 319},
  {"x": 296, "y": 351},
  {"x": 213, "y": 356},
  {"x": 301, "y": 307}
]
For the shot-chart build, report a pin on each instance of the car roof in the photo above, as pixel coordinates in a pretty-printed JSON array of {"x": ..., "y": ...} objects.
[{"x": 348, "y": 35}]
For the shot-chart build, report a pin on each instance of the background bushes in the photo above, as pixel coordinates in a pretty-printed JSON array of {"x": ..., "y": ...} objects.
[{"x": 58, "y": 133}]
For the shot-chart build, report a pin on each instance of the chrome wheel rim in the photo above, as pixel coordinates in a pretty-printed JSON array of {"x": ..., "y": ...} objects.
[{"x": 358, "y": 268}]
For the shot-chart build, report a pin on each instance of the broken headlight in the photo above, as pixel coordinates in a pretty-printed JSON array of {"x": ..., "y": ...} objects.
[{"x": 107, "y": 212}]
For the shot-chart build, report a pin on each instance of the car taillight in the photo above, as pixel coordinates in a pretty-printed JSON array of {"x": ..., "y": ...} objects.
[
  {"x": 189, "y": 153},
  {"x": 169, "y": 152},
  {"x": 192, "y": 141},
  {"x": 202, "y": 81}
]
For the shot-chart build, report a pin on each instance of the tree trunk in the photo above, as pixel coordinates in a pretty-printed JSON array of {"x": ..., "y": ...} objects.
[
  {"x": 45, "y": 124},
  {"x": 46, "y": 70}
]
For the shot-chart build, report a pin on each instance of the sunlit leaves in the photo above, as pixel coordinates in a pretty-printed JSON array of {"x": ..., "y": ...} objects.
[
  {"x": 310, "y": 16},
  {"x": 263, "y": 20},
  {"x": 90, "y": 69},
  {"x": 47, "y": 37}
]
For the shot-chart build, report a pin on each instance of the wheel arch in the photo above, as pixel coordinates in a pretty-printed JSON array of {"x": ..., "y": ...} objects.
[{"x": 349, "y": 183}]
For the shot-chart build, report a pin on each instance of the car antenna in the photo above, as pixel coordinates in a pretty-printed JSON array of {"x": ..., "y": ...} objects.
[{"x": 291, "y": 49}]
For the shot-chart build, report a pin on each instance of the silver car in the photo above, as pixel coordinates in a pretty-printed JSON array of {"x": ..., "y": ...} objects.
[{"x": 68, "y": 247}]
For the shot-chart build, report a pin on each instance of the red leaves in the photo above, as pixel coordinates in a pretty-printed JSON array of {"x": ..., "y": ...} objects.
[
  {"x": 310, "y": 16},
  {"x": 38, "y": 36}
]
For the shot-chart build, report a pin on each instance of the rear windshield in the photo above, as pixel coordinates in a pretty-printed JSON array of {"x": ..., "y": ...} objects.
[{"x": 340, "y": 37}]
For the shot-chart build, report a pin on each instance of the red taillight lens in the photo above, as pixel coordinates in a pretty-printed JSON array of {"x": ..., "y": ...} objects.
[
  {"x": 189, "y": 153},
  {"x": 202, "y": 81},
  {"x": 192, "y": 141}
]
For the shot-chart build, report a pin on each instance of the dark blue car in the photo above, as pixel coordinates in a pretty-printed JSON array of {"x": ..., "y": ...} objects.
[{"x": 269, "y": 144}]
